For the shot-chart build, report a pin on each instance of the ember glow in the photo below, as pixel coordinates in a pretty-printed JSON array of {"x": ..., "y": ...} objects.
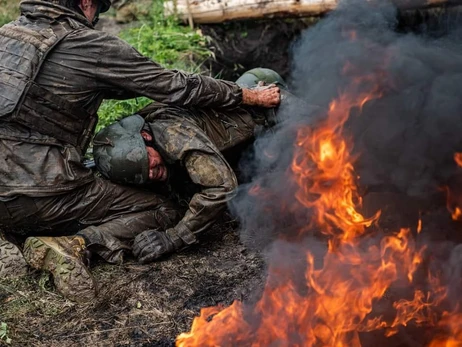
[
  {"x": 341, "y": 291},
  {"x": 458, "y": 159},
  {"x": 454, "y": 196}
]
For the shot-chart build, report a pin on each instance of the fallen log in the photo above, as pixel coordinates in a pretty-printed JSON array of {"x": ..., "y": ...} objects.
[{"x": 218, "y": 11}]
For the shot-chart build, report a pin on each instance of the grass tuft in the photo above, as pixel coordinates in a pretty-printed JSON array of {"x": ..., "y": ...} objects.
[{"x": 167, "y": 42}]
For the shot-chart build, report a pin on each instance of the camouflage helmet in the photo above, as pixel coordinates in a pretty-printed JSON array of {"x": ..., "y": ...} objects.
[
  {"x": 250, "y": 79},
  {"x": 120, "y": 153}
]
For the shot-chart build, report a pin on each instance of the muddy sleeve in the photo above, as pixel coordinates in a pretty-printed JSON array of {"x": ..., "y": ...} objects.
[
  {"x": 123, "y": 68},
  {"x": 218, "y": 181}
]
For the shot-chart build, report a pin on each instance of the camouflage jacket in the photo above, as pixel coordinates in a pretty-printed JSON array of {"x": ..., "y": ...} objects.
[
  {"x": 193, "y": 140},
  {"x": 86, "y": 67}
]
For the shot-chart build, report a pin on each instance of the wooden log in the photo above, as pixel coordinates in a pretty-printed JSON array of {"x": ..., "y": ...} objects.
[{"x": 217, "y": 11}]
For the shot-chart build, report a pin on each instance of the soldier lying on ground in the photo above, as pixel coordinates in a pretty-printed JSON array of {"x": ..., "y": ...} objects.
[
  {"x": 55, "y": 70},
  {"x": 164, "y": 141}
]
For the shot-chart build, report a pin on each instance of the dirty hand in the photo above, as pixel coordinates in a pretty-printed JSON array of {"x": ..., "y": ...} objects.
[
  {"x": 151, "y": 245},
  {"x": 264, "y": 96}
]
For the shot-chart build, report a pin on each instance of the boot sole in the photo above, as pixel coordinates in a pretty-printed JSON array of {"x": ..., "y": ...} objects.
[
  {"x": 12, "y": 262},
  {"x": 71, "y": 277}
]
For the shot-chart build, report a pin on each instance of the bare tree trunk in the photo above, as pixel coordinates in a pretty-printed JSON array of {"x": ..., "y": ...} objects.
[{"x": 217, "y": 11}]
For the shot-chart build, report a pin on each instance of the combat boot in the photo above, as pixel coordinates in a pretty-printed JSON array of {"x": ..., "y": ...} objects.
[
  {"x": 12, "y": 262},
  {"x": 67, "y": 259}
]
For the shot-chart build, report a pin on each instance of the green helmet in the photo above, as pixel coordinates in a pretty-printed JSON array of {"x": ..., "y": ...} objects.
[
  {"x": 120, "y": 153},
  {"x": 106, "y": 5},
  {"x": 250, "y": 79}
]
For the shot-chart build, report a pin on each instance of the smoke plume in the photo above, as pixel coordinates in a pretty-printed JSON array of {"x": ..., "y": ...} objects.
[{"x": 404, "y": 138}]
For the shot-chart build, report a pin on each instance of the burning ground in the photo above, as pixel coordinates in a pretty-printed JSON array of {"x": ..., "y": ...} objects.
[
  {"x": 347, "y": 232},
  {"x": 150, "y": 305},
  {"x": 387, "y": 122}
]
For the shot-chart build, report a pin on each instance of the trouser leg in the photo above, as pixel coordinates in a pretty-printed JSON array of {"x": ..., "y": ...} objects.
[
  {"x": 113, "y": 214},
  {"x": 112, "y": 239}
]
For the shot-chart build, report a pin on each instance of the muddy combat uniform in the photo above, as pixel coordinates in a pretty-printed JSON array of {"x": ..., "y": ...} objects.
[
  {"x": 55, "y": 70},
  {"x": 190, "y": 140},
  {"x": 193, "y": 140}
]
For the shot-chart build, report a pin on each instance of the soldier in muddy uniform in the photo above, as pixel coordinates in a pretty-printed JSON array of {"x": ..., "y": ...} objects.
[
  {"x": 164, "y": 141},
  {"x": 55, "y": 70}
]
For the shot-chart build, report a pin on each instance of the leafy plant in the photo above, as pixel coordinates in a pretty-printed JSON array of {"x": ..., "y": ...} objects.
[
  {"x": 167, "y": 42},
  {"x": 4, "y": 333}
]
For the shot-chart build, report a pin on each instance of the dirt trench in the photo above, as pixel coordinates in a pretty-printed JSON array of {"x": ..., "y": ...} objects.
[{"x": 242, "y": 45}]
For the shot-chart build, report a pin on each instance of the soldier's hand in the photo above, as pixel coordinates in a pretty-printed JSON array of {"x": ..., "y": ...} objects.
[
  {"x": 264, "y": 96},
  {"x": 151, "y": 245}
]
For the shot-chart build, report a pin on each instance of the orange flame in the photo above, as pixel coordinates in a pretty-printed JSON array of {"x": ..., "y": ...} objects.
[
  {"x": 454, "y": 195},
  {"x": 458, "y": 159},
  {"x": 322, "y": 166},
  {"x": 451, "y": 324},
  {"x": 452, "y": 201},
  {"x": 456, "y": 214},
  {"x": 335, "y": 302}
]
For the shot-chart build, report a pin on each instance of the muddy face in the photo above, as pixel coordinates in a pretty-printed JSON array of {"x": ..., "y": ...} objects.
[{"x": 157, "y": 168}]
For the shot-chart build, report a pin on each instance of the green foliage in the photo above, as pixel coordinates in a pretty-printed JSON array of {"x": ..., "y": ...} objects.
[
  {"x": 4, "y": 333},
  {"x": 9, "y": 10},
  {"x": 166, "y": 42}
]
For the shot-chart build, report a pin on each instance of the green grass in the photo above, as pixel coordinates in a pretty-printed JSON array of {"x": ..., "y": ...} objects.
[
  {"x": 9, "y": 10},
  {"x": 165, "y": 41},
  {"x": 4, "y": 333}
]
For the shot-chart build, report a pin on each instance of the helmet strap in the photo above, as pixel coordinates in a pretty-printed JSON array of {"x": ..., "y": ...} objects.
[{"x": 98, "y": 11}]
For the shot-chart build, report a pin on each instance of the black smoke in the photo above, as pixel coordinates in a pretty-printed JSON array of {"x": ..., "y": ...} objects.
[{"x": 405, "y": 139}]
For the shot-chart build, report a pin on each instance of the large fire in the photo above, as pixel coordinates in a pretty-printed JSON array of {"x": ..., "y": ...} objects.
[{"x": 364, "y": 282}]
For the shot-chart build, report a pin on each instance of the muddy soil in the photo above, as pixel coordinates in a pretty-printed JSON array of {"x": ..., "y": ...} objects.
[
  {"x": 137, "y": 305},
  {"x": 242, "y": 45},
  {"x": 149, "y": 305}
]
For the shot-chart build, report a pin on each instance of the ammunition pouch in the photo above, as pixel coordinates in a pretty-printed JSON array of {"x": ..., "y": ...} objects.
[
  {"x": 52, "y": 115},
  {"x": 24, "y": 46}
]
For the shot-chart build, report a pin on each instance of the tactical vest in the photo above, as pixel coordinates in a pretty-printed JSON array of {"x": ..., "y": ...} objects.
[{"x": 24, "y": 46}]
